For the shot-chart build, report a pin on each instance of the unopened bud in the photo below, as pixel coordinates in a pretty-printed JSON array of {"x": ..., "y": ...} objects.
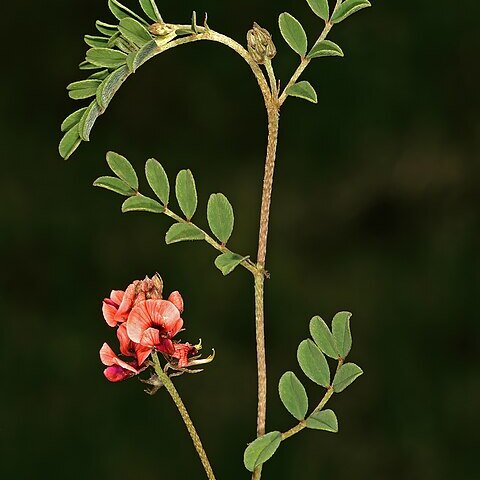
[
  {"x": 161, "y": 29},
  {"x": 260, "y": 44}
]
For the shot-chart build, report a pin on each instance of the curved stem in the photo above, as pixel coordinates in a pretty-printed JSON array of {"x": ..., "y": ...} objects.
[
  {"x": 211, "y": 35},
  {"x": 185, "y": 416}
]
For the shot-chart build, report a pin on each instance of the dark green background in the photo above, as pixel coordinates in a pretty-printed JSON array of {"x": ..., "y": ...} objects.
[{"x": 376, "y": 210}]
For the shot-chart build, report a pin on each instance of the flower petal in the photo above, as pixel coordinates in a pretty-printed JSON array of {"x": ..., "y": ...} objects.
[
  {"x": 177, "y": 300},
  {"x": 109, "y": 312},
  {"x": 126, "y": 345},
  {"x": 161, "y": 314},
  {"x": 142, "y": 353},
  {"x": 126, "y": 304},
  {"x": 117, "y": 296},
  {"x": 108, "y": 357},
  {"x": 150, "y": 337},
  {"x": 116, "y": 373}
]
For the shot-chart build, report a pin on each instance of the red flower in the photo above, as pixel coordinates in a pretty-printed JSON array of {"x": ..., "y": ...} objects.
[
  {"x": 182, "y": 352},
  {"x": 117, "y": 370},
  {"x": 153, "y": 323},
  {"x": 116, "y": 309}
]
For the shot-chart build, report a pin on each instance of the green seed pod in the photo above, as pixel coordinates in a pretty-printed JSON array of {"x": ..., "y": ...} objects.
[{"x": 260, "y": 44}]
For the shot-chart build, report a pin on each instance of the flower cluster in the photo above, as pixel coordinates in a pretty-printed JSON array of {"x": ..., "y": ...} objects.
[{"x": 145, "y": 323}]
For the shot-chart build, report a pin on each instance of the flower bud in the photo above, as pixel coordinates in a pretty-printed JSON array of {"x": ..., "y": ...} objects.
[
  {"x": 260, "y": 44},
  {"x": 161, "y": 29}
]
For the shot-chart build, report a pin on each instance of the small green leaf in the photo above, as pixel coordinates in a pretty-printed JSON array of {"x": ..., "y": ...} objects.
[
  {"x": 158, "y": 180},
  {"x": 123, "y": 169},
  {"x": 228, "y": 262},
  {"x": 325, "y": 48},
  {"x": 181, "y": 232},
  {"x": 347, "y": 8},
  {"x": 151, "y": 10},
  {"x": 341, "y": 333},
  {"x": 320, "y": 8},
  {"x": 261, "y": 450},
  {"x": 139, "y": 203},
  {"x": 106, "y": 57},
  {"x": 323, "y": 420},
  {"x": 100, "y": 75},
  {"x": 293, "y": 395},
  {"x": 345, "y": 376},
  {"x": 95, "y": 41},
  {"x": 115, "y": 185},
  {"x": 323, "y": 337},
  {"x": 313, "y": 363},
  {"x": 88, "y": 66},
  {"x": 69, "y": 143},
  {"x": 293, "y": 33},
  {"x": 72, "y": 119},
  {"x": 134, "y": 31},
  {"x": 186, "y": 193},
  {"x": 111, "y": 85},
  {"x": 303, "y": 90},
  {"x": 220, "y": 216},
  {"x": 144, "y": 54},
  {"x": 106, "y": 28},
  {"x": 121, "y": 11},
  {"x": 88, "y": 120},
  {"x": 83, "y": 89}
]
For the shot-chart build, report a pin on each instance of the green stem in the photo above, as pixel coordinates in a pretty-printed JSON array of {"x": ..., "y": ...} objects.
[
  {"x": 185, "y": 416},
  {"x": 302, "y": 424}
]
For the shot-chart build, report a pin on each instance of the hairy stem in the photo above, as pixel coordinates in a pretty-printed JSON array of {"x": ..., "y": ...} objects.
[
  {"x": 273, "y": 126},
  {"x": 185, "y": 416}
]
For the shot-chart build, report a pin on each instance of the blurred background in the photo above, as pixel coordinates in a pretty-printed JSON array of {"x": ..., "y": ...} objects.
[{"x": 376, "y": 210}]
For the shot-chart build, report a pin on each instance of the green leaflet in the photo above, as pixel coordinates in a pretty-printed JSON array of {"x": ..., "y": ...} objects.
[
  {"x": 88, "y": 66},
  {"x": 151, "y": 10},
  {"x": 341, "y": 333},
  {"x": 186, "y": 192},
  {"x": 106, "y": 28},
  {"x": 313, "y": 363},
  {"x": 228, "y": 262},
  {"x": 72, "y": 119},
  {"x": 111, "y": 85},
  {"x": 293, "y": 395},
  {"x": 323, "y": 420},
  {"x": 303, "y": 90},
  {"x": 88, "y": 120},
  {"x": 115, "y": 185},
  {"x": 261, "y": 450},
  {"x": 347, "y": 8},
  {"x": 139, "y": 203},
  {"x": 182, "y": 232},
  {"x": 220, "y": 217},
  {"x": 134, "y": 31},
  {"x": 325, "y": 48},
  {"x": 158, "y": 180},
  {"x": 100, "y": 75},
  {"x": 345, "y": 376},
  {"x": 123, "y": 169},
  {"x": 293, "y": 33},
  {"x": 320, "y": 8},
  {"x": 106, "y": 57},
  {"x": 95, "y": 41},
  {"x": 69, "y": 143},
  {"x": 83, "y": 89},
  {"x": 144, "y": 54},
  {"x": 323, "y": 337},
  {"x": 121, "y": 11}
]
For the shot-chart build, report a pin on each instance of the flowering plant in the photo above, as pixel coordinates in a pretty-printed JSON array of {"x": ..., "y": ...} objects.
[{"x": 148, "y": 324}]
